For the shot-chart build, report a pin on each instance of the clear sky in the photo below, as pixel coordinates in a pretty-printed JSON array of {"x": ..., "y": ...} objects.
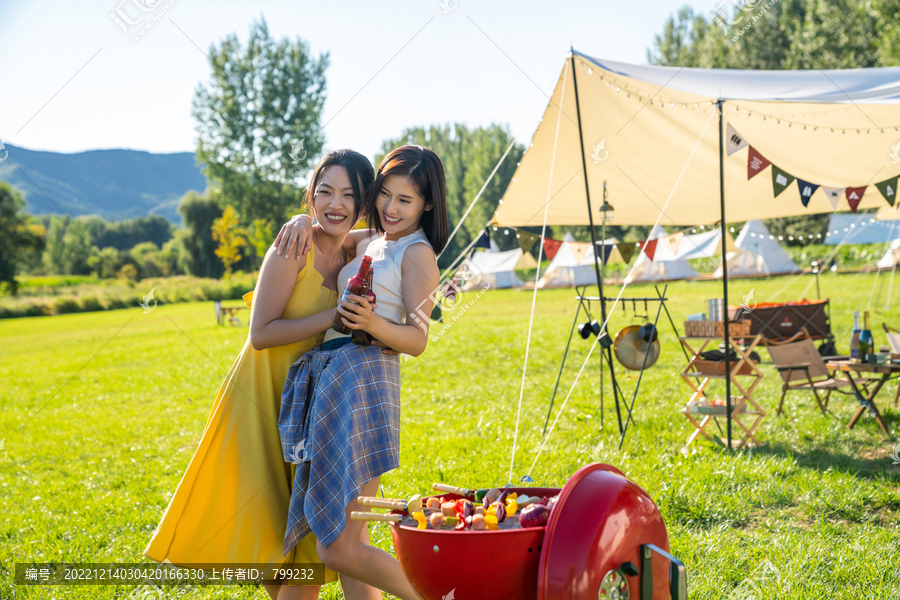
[{"x": 71, "y": 79}]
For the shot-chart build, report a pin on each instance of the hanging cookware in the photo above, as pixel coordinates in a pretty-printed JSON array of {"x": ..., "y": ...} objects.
[
  {"x": 648, "y": 332},
  {"x": 630, "y": 349}
]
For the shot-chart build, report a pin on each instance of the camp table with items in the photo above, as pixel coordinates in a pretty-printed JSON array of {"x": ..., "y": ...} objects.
[
  {"x": 854, "y": 373},
  {"x": 743, "y": 405}
]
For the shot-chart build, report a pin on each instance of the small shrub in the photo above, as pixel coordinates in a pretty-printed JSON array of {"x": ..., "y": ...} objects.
[
  {"x": 91, "y": 303},
  {"x": 65, "y": 305}
]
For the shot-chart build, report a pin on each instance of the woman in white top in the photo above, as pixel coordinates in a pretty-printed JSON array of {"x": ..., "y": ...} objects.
[{"x": 341, "y": 402}]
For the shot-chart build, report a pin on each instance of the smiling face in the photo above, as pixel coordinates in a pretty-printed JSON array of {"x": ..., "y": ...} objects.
[
  {"x": 400, "y": 207},
  {"x": 333, "y": 204}
]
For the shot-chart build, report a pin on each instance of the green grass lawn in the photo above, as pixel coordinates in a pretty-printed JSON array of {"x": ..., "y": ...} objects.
[{"x": 102, "y": 411}]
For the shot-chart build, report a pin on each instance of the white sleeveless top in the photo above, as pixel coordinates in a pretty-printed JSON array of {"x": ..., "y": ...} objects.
[{"x": 387, "y": 256}]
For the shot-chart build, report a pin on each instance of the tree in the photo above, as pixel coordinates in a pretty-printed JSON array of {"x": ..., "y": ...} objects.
[
  {"x": 105, "y": 263},
  {"x": 231, "y": 238},
  {"x": 198, "y": 255},
  {"x": 468, "y": 156},
  {"x": 790, "y": 34},
  {"x": 258, "y": 121},
  {"x": 16, "y": 236},
  {"x": 68, "y": 247},
  {"x": 261, "y": 235}
]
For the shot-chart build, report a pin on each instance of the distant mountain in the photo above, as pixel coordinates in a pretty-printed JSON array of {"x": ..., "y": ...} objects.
[{"x": 115, "y": 184}]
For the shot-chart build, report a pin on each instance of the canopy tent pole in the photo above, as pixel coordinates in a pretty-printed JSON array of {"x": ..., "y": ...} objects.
[
  {"x": 587, "y": 193},
  {"x": 725, "y": 316}
]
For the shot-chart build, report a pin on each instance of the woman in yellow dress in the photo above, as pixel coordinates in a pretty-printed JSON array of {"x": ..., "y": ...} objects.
[{"x": 231, "y": 505}]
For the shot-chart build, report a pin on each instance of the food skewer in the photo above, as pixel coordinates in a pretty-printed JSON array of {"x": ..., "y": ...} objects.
[
  {"x": 370, "y": 516},
  {"x": 414, "y": 504},
  {"x": 452, "y": 489}
]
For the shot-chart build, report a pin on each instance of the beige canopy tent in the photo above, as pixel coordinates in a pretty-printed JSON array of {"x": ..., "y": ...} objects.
[
  {"x": 639, "y": 126},
  {"x": 658, "y": 137}
]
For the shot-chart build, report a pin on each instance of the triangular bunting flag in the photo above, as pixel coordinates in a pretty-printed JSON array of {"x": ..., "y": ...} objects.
[
  {"x": 834, "y": 196},
  {"x": 673, "y": 242},
  {"x": 649, "y": 248},
  {"x": 604, "y": 250},
  {"x": 733, "y": 140},
  {"x": 807, "y": 189},
  {"x": 854, "y": 196},
  {"x": 626, "y": 250},
  {"x": 888, "y": 189},
  {"x": 550, "y": 247},
  {"x": 579, "y": 249},
  {"x": 485, "y": 240},
  {"x": 527, "y": 240},
  {"x": 780, "y": 180},
  {"x": 756, "y": 164}
]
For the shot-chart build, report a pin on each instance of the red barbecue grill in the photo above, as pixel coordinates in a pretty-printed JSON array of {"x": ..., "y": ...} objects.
[{"x": 599, "y": 543}]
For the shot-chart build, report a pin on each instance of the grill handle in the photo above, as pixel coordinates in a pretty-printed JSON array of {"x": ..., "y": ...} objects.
[{"x": 677, "y": 573}]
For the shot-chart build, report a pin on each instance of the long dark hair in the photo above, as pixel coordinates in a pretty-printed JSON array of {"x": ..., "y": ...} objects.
[
  {"x": 425, "y": 171},
  {"x": 359, "y": 169}
]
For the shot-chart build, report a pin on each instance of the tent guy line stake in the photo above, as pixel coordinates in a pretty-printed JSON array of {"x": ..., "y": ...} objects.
[
  {"x": 537, "y": 273},
  {"x": 618, "y": 296}
]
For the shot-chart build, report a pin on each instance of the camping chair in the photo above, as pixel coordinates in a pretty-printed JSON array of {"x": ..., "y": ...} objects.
[
  {"x": 893, "y": 337},
  {"x": 802, "y": 368}
]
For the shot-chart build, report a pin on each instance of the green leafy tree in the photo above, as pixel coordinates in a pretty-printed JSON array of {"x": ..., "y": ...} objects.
[
  {"x": 258, "y": 121},
  {"x": 469, "y": 156},
  {"x": 16, "y": 236},
  {"x": 261, "y": 235},
  {"x": 198, "y": 249},
  {"x": 105, "y": 263},
  {"x": 55, "y": 248},
  {"x": 68, "y": 247},
  {"x": 170, "y": 253}
]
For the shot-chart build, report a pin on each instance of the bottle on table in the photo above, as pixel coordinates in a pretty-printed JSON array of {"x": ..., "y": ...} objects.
[
  {"x": 360, "y": 337},
  {"x": 866, "y": 343},
  {"x": 854, "y": 339},
  {"x": 356, "y": 286}
]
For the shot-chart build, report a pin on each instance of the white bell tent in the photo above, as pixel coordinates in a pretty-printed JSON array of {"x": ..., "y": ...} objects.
[
  {"x": 707, "y": 244},
  {"x": 573, "y": 264},
  {"x": 495, "y": 269},
  {"x": 891, "y": 256},
  {"x": 665, "y": 264},
  {"x": 759, "y": 254}
]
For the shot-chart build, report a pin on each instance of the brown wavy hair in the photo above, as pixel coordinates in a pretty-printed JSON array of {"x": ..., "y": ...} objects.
[{"x": 425, "y": 171}]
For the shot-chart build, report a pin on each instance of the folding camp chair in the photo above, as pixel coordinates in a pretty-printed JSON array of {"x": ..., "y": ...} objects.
[
  {"x": 802, "y": 368},
  {"x": 893, "y": 337}
]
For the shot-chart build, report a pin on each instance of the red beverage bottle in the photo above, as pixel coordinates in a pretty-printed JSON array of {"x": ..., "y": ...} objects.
[
  {"x": 356, "y": 285},
  {"x": 360, "y": 337}
]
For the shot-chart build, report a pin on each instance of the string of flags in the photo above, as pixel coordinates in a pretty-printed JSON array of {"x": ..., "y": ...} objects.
[
  {"x": 781, "y": 179},
  {"x": 527, "y": 240}
]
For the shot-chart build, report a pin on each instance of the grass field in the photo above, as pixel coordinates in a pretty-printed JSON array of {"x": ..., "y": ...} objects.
[{"x": 102, "y": 411}]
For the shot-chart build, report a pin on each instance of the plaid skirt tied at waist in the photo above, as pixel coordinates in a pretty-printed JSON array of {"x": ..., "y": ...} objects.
[{"x": 340, "y": 424}]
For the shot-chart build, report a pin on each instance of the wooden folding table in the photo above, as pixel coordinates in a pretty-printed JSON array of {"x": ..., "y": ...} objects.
[
  {"x": 743, "y": 405},
  {"x": 867, "y": 402}
]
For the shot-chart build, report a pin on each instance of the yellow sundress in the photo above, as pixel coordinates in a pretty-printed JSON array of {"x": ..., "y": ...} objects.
[{"x": 231, "y": 505}]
